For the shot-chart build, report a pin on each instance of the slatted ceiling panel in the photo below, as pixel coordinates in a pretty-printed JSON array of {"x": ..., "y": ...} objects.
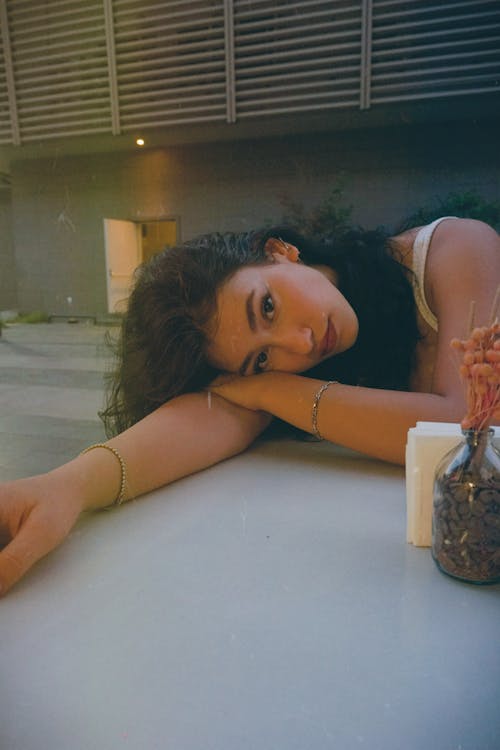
[
  {"x": 423, "y": 50},
  {"x": 170, "y": 59},
  {"x": 295, "y": 56},
  {"x": 5, "y": 126},
  {"x": 60, "y": 67},
  {"x": 100, "y": 66},
  {"x": 8, "y": 119}
]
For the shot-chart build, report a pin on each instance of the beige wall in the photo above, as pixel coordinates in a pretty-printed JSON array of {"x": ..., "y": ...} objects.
[{"x": 59, "y": 203}]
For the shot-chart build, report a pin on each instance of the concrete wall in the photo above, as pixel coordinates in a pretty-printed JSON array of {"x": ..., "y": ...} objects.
[
  {"x": 8, "y": 285},
  {"x": 59, "y": 203}
]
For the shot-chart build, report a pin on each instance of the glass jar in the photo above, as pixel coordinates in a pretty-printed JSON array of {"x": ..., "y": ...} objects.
[{"x": 466, "y": 510}]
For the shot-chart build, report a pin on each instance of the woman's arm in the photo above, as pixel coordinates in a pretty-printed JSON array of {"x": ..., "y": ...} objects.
[
  {"x": 182, "y": 437},
  {"x": 463, "y": 265},
  {"x": 185, "y": 435},
  {"x": 373, "y": 421}
]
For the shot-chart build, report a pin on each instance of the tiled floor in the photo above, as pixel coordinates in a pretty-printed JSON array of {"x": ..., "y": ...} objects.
[{"x": 51, "y": 389}]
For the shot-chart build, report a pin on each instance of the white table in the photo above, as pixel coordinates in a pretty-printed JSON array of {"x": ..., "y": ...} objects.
[{"x": 269, "y": 603}]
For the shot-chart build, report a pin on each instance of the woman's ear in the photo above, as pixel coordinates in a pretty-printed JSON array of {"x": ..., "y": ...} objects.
[{"x": 276, "y": 248}]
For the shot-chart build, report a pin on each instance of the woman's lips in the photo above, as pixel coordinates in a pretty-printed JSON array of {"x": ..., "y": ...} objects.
[{"x": 329, "y": 340}]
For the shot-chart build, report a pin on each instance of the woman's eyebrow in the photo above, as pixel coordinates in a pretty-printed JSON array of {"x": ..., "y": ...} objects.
[
  {"x": 250, "y": 311},
  {"x": 252, "y": 323},
  {"x": 244, "y": 367}
]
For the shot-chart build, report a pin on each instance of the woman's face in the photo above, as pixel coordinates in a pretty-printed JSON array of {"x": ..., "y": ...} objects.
[{"x": 280, "y": 316}]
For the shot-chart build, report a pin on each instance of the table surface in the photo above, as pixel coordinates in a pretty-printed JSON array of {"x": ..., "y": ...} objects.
[{"x": 268, "y": 603}]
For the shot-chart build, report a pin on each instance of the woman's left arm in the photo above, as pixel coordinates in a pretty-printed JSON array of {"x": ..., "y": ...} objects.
[
  {"x": 369, "y": 420},
  {"x": 464, "y": 266}
]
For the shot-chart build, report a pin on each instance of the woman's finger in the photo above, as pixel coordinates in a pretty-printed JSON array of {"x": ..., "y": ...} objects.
[{"x": 33, "y": 541}]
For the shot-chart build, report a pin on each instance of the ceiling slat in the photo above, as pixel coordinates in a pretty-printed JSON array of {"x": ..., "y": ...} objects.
[
  {"x": 70, "y": 67},
  {"x": 10, "y": 84},
  {"x": 434, "y": 49}
]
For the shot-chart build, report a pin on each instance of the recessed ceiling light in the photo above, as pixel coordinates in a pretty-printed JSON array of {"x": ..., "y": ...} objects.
[{"x": 139, "y": 141}]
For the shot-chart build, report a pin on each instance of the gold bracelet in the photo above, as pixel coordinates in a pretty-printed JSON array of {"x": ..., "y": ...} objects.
[
  {"x": 316, "y": 401},
  {"x": 121, "y": 494}
]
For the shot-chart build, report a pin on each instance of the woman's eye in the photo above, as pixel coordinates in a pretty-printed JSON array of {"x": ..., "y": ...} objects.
[
  {"x": 268, "y": 307},
  {"x": 260, "y": 361}
]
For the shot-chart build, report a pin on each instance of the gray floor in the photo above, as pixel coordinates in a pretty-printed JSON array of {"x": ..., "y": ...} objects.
[{"x": 51, "y": 389}]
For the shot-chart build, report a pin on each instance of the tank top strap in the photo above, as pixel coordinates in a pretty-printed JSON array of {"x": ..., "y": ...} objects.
[{"x": 421, "y": 246}]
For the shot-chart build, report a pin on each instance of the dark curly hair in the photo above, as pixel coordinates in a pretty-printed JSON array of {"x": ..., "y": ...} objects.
[
  {"x": 378, "y": 286},
  {"x": 162, "y": 349},
  {"x": 161, "y": 352}
]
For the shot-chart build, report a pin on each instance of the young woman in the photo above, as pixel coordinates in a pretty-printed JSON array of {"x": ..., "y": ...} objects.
[{"x": 336, "y": 338}]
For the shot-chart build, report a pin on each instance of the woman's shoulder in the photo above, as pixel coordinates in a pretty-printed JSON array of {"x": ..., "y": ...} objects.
[
  {"x": 464, "y": 232},
  {"x": 464, "y": 259},
  {"x": 449, "y": 227},
  {"x": 464, "y": 242},
  {"x": 457, "y": 234}
]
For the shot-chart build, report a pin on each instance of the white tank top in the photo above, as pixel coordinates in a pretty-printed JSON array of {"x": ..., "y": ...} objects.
[{"x": 421, "y": 246}]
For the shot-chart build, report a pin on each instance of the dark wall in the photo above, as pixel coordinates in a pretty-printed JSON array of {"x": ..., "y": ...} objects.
[{"x": 59, "y": 203}]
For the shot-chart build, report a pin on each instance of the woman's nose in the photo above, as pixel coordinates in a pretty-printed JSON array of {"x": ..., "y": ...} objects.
[{"x": 297, "y": 340}]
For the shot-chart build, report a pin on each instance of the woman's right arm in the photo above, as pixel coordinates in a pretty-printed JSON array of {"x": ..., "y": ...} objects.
[{"x": 184, "y": 436}]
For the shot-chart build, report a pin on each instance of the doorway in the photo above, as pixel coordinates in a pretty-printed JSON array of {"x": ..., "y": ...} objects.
[{"x": 127, "y": 244}]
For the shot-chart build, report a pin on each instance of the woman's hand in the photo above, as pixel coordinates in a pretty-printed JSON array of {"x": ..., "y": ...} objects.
[
  {"x": 248, "y": 391},
  {"x": 36, "y": 515}
]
